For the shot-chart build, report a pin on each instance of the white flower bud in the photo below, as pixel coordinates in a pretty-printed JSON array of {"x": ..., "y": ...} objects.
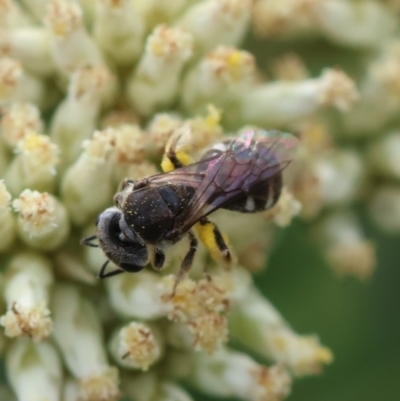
[
  {"x": 34, "y": 371},
  {"x": 255, "y": 323},
  {"x": 137, "y": 345},
  {"x": 344, "y": 245},
  {"x": 216, "y": 21},
  {"x": 220, "y": 78},
  {"x": 7, "y": 220},
  {"x": 12, "y": 15},
  {"x": 283, "y": 102},
  {"x": 26, "y": 292},
  {"x": 384, "y": 208},
  {"x": 43, "y": 221},
  {"x": 78, "y": 333},
  {"x": 34, "y": 166},
  {"x": 76, "y": 116},
  {"x": 87, "y": 187},
  {"x": 31, "y": 46},
  {"x": 119, "y": 30},
  {"x": 229, "y": 373},
  {"x": 18, "y": 120},
  {"x": 156, "y": 79}
]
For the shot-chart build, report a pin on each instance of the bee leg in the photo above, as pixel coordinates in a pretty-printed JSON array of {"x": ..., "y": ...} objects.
[
  {"x": 214, "y": 241},
  {"x": 158, "y": 259},
  {"x": 88, "y": 241},
  {"x": 103, "y": 275},
  {"x": 187, "y": 261},
  {"x": 173, "y": 160}
]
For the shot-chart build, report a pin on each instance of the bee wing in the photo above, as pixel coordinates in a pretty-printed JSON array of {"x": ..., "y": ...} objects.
[{"x": 246, "y": 166}]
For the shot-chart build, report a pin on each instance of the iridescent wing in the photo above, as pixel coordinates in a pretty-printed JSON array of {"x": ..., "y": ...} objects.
[{"x": 244, "y": 168}]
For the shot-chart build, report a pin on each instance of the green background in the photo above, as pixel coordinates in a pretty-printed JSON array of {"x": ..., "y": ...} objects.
[{"x": 358, "y": 321}]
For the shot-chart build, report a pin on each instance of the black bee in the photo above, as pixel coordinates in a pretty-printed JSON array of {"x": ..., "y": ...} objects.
[{"x": 151, "y": 214}]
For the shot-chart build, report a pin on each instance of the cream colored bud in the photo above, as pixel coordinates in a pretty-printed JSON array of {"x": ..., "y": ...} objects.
[
  {"x": 7, "y": 219},
  {"x": 217, "y": 21},
  {"x": 364, "y": 24},
  {"x": 18, "y": 85},
  {"x": 18, "y": 120},
  {"x": 384, "y": 208},
  {"x": 345, "y": 246},
  {"x": 34, "y": 165},
  {"x": 272, "y": 337},
  {"x": 27, "y": 291},
  {"x": 119, "y": 30},
  {"x": 282, "y": 102},
  {"x": 157, "y": 12},
  {"x": 207, "y": 332},
  {"x": 239, "y": 376},
  {"x": 12, "y": 15},
  {"x": 289, "y": 67},
  {"x": 220, "y": 78},
  {"x": 167, "y": 50},
  {"x": 10, "y": 74},
  {"x": 31, "y": 46},
  {"x": 34, "y": 369},
  {"x": 285, "y": 210},
  {"x": 148, "y": 387},
  {"x": 160, "y": 128},
  {"x": 76, "y": 117},
  {"x": 72, "y": 47},
  {"x": 137, "y": 345},
  {"x": 382, "y": 155},
  {"x": 87, "y": 187},
  {"x": 42, "y": 221},
  {"x": 78, "y": 334}
]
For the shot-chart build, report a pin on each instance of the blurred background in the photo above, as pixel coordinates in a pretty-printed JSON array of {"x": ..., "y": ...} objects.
[{"x": 358, "y": 321}]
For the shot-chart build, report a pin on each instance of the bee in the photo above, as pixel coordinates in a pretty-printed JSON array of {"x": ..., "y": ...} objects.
[{"x": 150, "y": 215}]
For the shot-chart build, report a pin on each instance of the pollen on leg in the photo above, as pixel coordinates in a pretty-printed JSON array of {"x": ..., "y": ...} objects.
[{"x": 215, "y": 242}]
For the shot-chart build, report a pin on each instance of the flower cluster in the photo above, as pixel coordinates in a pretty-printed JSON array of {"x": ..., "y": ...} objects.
[{"x": 91, "y": 92}]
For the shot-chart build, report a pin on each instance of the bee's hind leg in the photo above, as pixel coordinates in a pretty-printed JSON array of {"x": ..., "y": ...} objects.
[
  {"x": 187, "y": 261},
  {"x": 215, "y": 242},
  {"x": 174, "y": 159}
]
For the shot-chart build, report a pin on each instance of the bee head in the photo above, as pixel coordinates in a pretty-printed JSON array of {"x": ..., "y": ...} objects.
[{"x": 120, "y": 243}]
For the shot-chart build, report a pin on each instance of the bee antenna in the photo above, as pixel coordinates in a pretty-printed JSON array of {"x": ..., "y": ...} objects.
[{"x": 88, "y": 241}]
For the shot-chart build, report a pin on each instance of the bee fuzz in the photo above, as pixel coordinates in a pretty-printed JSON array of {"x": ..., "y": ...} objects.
[
  {"x": 102, "y": 386},
  {"x": 285, "y": 210},
  {"x": 34, "y": 322},
  {"x": 138, "y": 346},
  {"x": 210, "y": 331}
]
